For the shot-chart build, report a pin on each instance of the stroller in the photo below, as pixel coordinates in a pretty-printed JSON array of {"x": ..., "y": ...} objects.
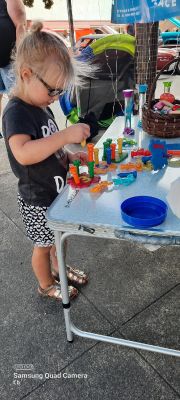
[{"x": 101, "y": 98}]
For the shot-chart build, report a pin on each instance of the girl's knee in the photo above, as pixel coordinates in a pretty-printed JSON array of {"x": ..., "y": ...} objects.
[
  {"x": 53, "y": 251},
  {"x": 42, "y": 250}
]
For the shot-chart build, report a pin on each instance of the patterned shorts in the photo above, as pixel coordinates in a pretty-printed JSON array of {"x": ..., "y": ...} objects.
[{"x": 36, "y": 224}]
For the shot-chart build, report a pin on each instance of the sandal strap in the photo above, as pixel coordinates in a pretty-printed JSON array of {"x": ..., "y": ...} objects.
[
  {"x": 47, "y": 290},
  {"x": 74, "y": 275},
  {"x": 57, "y": 294},
  {"x": 76, "y": 272}
]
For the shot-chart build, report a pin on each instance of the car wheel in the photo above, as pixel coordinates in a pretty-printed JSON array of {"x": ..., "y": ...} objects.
[{"x": 178, "y": 68}]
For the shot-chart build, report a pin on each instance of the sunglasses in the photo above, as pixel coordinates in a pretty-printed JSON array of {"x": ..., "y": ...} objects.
[{"x": 51, "y": 92}]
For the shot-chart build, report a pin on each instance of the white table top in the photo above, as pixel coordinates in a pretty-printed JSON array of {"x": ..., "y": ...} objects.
[{"x": 101, "y": 212}]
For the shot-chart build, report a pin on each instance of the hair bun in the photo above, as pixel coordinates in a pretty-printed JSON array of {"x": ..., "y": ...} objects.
[{"x": 37, "y": 26}]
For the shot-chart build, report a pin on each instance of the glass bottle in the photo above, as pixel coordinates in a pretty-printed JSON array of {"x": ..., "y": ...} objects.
[{"x": 167, "y": 96}]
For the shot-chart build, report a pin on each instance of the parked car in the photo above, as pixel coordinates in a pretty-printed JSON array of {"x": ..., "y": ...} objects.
[
  {"x": 166, "y": 55},
  {"x": 171, "y": 38}
]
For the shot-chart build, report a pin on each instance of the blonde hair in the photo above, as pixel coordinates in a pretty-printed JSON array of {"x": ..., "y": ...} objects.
[{"x": 39, "y": 45}]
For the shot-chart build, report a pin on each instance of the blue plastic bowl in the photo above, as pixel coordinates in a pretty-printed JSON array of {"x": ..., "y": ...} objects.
[{"x": 143, "y": 211}]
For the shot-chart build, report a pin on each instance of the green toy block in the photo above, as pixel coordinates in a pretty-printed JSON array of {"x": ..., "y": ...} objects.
[
  {"x": 122, "y": 157},
  {"x": 77, "y": 164}
]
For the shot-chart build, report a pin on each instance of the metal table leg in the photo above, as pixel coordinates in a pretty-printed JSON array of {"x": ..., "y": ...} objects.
[
  {"x": 71, "y": 328},
  {"x": 59, "y": 240}
]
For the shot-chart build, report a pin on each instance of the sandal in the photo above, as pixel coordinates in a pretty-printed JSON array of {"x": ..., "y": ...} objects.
[
  {"x": 73, "y": 292},
  {"x": 74, "y": 275}
]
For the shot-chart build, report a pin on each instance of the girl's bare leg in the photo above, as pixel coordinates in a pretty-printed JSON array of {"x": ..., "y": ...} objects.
[
  {"x": 75, "y": 276},
  {"x": 41, "y": 267},
  {"x": 54, "y": 256}
]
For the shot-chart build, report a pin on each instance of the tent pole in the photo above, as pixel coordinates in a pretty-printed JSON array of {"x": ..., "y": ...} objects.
[
  {"x": 71, "y": 24},
  {"x": 72, "y": 40}
]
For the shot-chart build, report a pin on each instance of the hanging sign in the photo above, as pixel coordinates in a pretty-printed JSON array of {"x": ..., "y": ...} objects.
[{"x": 132, "y": 11}]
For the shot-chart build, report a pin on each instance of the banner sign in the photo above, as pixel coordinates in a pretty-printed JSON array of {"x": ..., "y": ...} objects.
[{"x": 132, "y": 11}]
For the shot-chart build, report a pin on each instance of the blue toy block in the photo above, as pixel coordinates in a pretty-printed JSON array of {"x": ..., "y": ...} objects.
[{"x": 159, "y": 158}]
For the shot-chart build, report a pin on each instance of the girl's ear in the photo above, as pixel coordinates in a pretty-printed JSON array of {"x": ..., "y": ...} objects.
[{"x": 26, "y": 73}]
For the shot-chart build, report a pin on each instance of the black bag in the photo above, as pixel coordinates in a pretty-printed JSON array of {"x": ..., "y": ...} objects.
[{"x": 91, "y": 120}]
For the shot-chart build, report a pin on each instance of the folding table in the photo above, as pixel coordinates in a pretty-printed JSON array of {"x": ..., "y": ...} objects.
[{"x": 77, "y": 212}]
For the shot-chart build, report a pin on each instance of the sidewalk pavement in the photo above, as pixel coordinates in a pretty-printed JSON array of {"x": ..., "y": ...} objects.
[{"x": 132, "y": 293}]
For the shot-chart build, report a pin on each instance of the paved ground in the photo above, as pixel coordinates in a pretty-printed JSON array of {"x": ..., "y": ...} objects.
[{"x": 132, "y": 293}]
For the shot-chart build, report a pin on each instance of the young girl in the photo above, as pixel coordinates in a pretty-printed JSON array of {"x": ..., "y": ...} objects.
[{"x": 35, "y": 146}]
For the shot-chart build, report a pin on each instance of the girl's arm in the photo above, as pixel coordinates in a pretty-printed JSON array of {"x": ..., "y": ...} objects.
[{"x": 28, "y": 151}]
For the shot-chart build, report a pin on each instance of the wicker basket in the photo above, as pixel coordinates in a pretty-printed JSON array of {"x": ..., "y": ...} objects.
[{"x": 166, "y": 126}]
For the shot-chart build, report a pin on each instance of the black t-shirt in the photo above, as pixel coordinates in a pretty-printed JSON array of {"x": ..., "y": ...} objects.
[
  {"x": 39, "y": 183},
  {"x": 7, "y": 35}
]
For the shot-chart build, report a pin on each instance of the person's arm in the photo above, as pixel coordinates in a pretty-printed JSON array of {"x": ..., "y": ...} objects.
[
  {"x": 80, "y": 155},
  {"x": 28, "y": 152},
  {"x": 17, "y": 13}
]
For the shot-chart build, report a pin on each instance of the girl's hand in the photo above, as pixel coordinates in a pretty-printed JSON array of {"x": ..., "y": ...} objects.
[
  {"x": 80, "y": 155},
  {"x": 77, "y": 133}
]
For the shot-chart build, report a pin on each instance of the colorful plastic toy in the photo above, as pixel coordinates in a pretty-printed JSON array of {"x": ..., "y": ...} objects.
[
  {"x": 128, "y": 142},
  {"x": 158, "y": 149},
  {"x": 96, "y": 156},
  {"x": 108, "y": 155},
  {"x": 142, "y": 99},
  {"x": 174, "y": 162},
  {"x": 128, "y": 99},
  {"x": 101, "y": 186},
  {"x": 113, "y": 154},
  {"x": 176, "y": 107},
  {"x": 77, "y": 164},
  {"x": 73, "y": 172},
  {"x": 113, "y": 151},
  {"x": 128, "y": 167},
  {"x": 121, "y": 157},
  {"x": 173, "y": 146},
  {"x": 167, "y": 96},
  {"x": 103, "y": 168},
  {"x": 84, "y": 181},
  {"x": 91, "y": 168},
  {"x": 90, "y": 148},
  {"x": 124, "y": 181},
  {"x": 174, "y": 153},
  {"x": 147, "y": 166},
  {"x": 120, "y": 142},
  {"x": 131, "y": 166},
  {"x": 140, "y": 152},
  {"x": 106, "y": 145},
  {"x": 125, "y": 174}
]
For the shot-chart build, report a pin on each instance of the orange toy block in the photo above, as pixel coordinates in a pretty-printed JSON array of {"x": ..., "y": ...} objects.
[
  {"x": 90, "y": 148},
  {"x": 100, "y": 186},
  {"x": 128, "y": 167},
  {"x": 113, "y": 151},
  {"x": 138, "y": 166},
  {"x": 73, "y": 172}
]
